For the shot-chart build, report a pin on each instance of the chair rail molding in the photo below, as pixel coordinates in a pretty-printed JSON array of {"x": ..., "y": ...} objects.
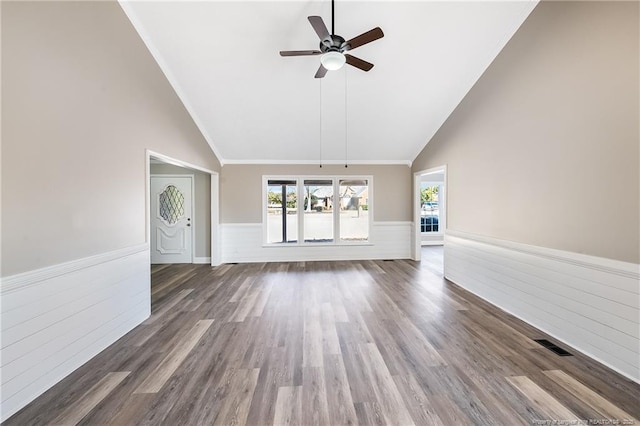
[{"x": 56, "y": 318}]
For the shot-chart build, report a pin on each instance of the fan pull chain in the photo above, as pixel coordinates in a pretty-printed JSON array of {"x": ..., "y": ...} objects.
[
  {"x": 346, "y": 121},
  {"x": 320, "y": 109}
]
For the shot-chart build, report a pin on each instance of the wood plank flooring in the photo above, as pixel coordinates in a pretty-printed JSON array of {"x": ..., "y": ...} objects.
[{"x": 330, "y": 343}]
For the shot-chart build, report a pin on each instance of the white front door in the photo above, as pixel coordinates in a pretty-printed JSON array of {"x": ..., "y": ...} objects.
[{"x": 171, "y": 219}]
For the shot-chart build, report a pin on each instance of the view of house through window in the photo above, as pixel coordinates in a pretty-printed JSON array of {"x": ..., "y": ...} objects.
[
  {"x": 310, "y": 202},
  {"x": 318, "y": 210},
  {"x": 354, "y": 210},
  {"x": 430, "y": 211},
  {"x": 282, "y": 217}
]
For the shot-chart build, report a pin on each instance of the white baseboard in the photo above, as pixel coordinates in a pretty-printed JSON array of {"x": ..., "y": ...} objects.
[
  {"x": 55, "y": 319},
  {"x": 591, "y": 304},
  {"x": 202, "y": 260},
  {"x": 242, "y": 243}
]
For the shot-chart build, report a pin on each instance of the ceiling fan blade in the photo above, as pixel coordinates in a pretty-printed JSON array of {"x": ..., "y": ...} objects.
[
  {"x": 322, "y": 71},
  {"x": 365, "y": 38},
  {"x": 318, "y": 25},
  {"x": 300, "y": 52},
  {"x": 358, "y": 63}
]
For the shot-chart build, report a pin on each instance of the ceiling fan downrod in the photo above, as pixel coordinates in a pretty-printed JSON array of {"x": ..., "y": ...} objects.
[
  {"x": 333, "y": 20},
  {"x": 333, "y": 48}
]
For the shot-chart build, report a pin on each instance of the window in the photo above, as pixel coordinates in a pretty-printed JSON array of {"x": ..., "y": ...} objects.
[
  {"x": 430, "y": 209},
  {"x": 171, "y": 204},
  {"x": 317, "y": 210},
  {"x": 354, "y": 210},
  {"x": 282, "y": 218}
]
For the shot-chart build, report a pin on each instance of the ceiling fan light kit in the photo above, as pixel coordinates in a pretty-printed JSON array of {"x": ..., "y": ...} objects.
[
  {"x": 333, "y": 47},
  {"x": 333, "y": 60}
]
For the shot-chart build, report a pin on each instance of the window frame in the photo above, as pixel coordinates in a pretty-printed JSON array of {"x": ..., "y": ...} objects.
[{"x": 335, "y": 179}]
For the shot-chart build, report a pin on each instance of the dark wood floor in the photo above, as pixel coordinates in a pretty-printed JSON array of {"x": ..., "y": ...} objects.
[{"x": 329, "y": 343}]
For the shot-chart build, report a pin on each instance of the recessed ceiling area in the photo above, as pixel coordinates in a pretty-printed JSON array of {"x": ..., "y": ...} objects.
[{"x": 254, "y": 106}]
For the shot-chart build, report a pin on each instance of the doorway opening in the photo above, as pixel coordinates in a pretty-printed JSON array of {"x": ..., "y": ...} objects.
[
  {"x": 430, "y": 211},
  {"x": 182, "y": 217}
]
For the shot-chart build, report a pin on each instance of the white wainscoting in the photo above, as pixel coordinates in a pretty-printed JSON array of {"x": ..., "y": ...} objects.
[
  {"x": 431, "y": 239},
  {"x": 242, "y": 243},
  {"x": 587, "y": 302},
  {"x": 57, "y": 318}
]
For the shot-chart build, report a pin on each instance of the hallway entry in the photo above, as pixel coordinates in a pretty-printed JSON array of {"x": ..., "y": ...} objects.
[{"x": 430, "y": 209}]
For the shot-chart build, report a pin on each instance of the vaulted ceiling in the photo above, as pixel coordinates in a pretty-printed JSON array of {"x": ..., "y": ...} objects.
[{"x": 254, "y": 106}]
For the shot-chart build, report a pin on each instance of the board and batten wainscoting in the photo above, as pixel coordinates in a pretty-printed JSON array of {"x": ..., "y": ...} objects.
[
  {"x": 587, "y": 302},
  {"x": 57, "y": 318},
  {"x": 243, "y": 242}
]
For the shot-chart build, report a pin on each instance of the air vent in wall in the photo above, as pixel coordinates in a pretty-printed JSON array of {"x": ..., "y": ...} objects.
[{"x": 553, "y": 347}]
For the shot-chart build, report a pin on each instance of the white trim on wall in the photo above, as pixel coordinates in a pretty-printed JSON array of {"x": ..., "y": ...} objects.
[
  {"x": 326, "y": 162},
  {"x": 590, "y": 303},
  {"x": 179, "y": 163},
  {"x": 242, "y": 243},
  {"x": 436, "y": 239},
  {"x": 216, "y": 247},
  {"x": 56, "y": 318},
  {"x": 25, "y": 279}
]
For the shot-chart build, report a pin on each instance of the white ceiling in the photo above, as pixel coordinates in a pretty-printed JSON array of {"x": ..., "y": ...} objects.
[{"x": 254, "y": 106}]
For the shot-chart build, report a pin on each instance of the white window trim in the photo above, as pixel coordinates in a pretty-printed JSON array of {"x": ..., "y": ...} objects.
[{"x": 300, "y": 212}]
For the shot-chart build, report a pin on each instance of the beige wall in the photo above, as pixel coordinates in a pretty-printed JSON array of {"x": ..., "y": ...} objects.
[
  {"x": 82, "y": 99},
  {"x": 241, "y": 189},
  {"x": 202, "y": 204},
  {"x": 544, "y": 150}
]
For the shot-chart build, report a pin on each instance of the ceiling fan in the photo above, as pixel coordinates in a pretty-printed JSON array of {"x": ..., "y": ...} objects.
[{"x": 333, "y": 47}]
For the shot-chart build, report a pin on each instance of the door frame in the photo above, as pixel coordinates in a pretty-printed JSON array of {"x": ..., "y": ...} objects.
[
  {"x": 416, "y": 252},
  {"x": 193, "y": 209},
  {"x": 216, "y": 256}
]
